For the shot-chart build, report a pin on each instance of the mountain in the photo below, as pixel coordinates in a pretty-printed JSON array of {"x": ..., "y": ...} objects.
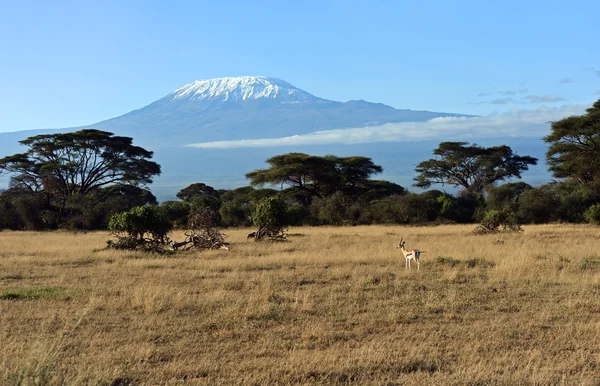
[
  {"x": 247, "y": 108},
  {"x": 250, "y": 108}
]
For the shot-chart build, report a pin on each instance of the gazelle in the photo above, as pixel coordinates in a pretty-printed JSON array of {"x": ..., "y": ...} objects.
[{"x": 409, "y": 255}]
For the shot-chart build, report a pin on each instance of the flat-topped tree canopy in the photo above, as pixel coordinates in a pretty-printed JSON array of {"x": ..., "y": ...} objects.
[
  {"x": 79, "y": 162},
  {"x": 471, "y": 167},
  {"x": 315, "y": 176}
]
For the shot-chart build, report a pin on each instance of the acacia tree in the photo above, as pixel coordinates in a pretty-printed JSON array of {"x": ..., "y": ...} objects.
[
  {"x": 574, "y": 150},
  {"x": 78, "y": 163},
  {"x": 196, "y": 189},
  {"x": 200, "y": 195},
  {"x": 313, "y": 176},
  {"x": 471, "y": 167}
]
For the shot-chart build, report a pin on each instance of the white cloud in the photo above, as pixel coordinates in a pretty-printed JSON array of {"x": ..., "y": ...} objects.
[{"x": 514, "y": 123}]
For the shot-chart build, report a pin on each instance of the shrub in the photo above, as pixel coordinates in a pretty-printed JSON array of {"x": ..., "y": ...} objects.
[
  {"x": 498, "y": 221},
  {"x": 142, "y": 227},
  {"x": 592, "y": 214},
  {"x": 271, "y": 217},
  {"x": 537, "y": 205},
  {"x": 177, "y": 212},
  {"x": 332, "y": 210}
]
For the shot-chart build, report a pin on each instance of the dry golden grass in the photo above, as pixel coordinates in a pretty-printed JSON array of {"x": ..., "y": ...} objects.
[{"x": 333, "y": 306}]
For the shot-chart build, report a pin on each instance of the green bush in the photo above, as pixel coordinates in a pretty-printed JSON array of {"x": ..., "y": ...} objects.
[
  {"x": 177, "y": 212},
  {"x": 270, "y": 212},
  {"x": 500, "y": 220},
  {"x": 141, "y": 221},
  {"x": 271, "y": 216},
  {"x": 332, "y": 210},
  {"x": 537, "y": 205},
  {"x": 592, "y": 214}
]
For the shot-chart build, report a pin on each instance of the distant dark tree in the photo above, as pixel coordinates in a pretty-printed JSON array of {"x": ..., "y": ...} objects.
[
  {"x": 238, "y": 204},
  {"x": 9, "y": 217},
  {"x": 538, "y": 205},
  {"x": 24, "y": 209},
  {"x": 335, "y": 210},
  {"x": 195, "y": 190},
  {"x": 371, "y": 190},
  {"x": 505, "y": 196},
  {"x": 93, "y": 210},
  {"x": 409, "y": 208},
  {"x": 471, "y": 167},
  {"x": 574, "y": 150},
  {"x": 310, "y": 176},
  {"x": 313, "y": 176},
  {"x": 234, "y": 214},
  {"x": 200, "y": 195},
  {"x": 354, "y": 172},
  {"x": 177, "y": 212},
  {"x": 573, "y": 199}
]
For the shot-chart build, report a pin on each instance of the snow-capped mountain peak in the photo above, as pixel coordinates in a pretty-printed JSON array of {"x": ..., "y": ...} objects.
[{"x": 240, "y": 89}]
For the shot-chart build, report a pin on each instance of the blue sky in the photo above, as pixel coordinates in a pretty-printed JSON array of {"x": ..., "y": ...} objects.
[{"x": 71, "y": 63}]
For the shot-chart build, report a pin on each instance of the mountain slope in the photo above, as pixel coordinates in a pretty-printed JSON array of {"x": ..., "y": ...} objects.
[{"x": 250, "y": 107}]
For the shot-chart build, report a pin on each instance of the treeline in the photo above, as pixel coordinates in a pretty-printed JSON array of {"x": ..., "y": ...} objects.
[{"x": 79, "y": 180}]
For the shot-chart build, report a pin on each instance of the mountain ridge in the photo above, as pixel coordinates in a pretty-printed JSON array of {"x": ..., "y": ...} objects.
[{"x": 250, "y": 108}]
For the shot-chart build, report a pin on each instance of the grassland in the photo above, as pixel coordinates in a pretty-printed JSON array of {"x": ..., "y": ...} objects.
[{"x": 332, "y": 306}]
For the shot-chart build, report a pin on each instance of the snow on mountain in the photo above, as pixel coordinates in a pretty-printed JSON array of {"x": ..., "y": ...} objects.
[
  {"x": 241, "y": 88},
  {"x": 239, "y": 108}
]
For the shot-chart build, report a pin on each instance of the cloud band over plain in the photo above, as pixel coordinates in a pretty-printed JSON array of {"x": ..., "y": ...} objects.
[{"x": 514, "y": 123}]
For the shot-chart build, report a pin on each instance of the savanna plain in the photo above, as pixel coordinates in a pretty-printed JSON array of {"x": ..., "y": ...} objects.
[{"x": 331, "y": 306}]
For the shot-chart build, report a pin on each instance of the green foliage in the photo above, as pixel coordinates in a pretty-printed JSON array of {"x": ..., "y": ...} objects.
[
  {"x": 235, "y": 213},
  {"x": 271, "y": 212},
  {"x": 177, "y": 212},
  {"x": 271, "y": 216},
  {"x": 93, "y": 210},
  {"x": 313, "y": 176},
  {"x": 141, "y": 221},
  {"x": 9, "y": 217},
  {"x": 574, "y": 150},
  {"x": 371, "y": 190},
  {"x": 471, "y": 167},
  {"x": 505, "y": 196},
  {"x": 33, "y": 293},
  {"x": 499, "y": 220},
  {"x": 81, "y": 163},
  {"x": 574, "y": 198},
  {"x": 592, "y": 214},
  {"x": 536, "y": 206},
  {"x": 335, "y": 210},
  {"x": 197, "y": 189},
  {"x": 31, "y": 210},
  {"x": 410, "y": 208}
]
